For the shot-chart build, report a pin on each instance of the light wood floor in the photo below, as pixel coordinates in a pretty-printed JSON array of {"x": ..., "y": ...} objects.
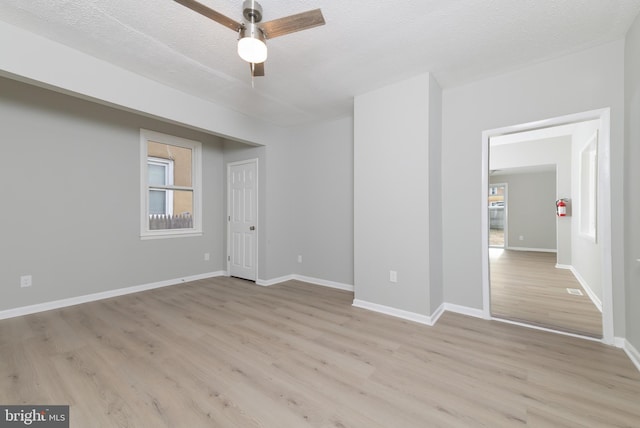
[
  {"x": 526, "y": 286},
  {"x": 227, "y": 353}
]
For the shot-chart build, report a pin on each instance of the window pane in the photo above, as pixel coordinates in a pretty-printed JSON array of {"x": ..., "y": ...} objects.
[
  {"x": 179, "y": 215},
  {"x": 157, "y": 175},
  {"x": 181, "y": 158},
  {"x": 157, "y": 202}
]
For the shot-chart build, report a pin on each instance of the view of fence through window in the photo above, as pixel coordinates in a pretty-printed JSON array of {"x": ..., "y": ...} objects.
[{"x": 170, "y": 178}]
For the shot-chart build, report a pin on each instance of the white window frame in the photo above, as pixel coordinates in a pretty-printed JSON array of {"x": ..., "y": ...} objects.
[
  {"x": 196, "y": 170},
  {"x": 588, "y": 220},
  {"x": 168, "y": 180}
]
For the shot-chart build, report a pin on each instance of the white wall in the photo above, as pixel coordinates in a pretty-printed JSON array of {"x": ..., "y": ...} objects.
[
  {"x": 586, "y": 254},
  {"x": 588, "y": 80},
  {"x": 70, "y": 200},
  {"x": 392, "y": 194},
  {"x": 632, "y": 183}
]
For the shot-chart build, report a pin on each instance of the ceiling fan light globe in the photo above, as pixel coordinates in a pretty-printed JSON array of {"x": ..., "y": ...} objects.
[
  {"x": 252, "y": 50},
  {"x": 251, "y": 46}
]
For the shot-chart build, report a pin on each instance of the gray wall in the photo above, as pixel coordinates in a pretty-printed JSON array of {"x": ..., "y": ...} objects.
[
  {"x": 76, "y": 241},
  {"x": 322, "y": 201},
  {"x": 632, "y": 182},
  {"x": 548, "y": 151},
  {"x": 392, "y": 194},
  {"x": 588, "y": 80},
  {"x": 530, "y": 211},
  {"x": 70, "y": 200},
  {"x": 586, "y": 255},
  {"x": 436, "y": 285}
]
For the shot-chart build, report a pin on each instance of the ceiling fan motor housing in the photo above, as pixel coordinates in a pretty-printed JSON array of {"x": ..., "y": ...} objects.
[{"x": 252, "y": 11}]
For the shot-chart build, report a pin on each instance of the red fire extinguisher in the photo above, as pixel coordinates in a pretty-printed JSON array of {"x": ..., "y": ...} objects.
[{"x": 561, "y": 208}]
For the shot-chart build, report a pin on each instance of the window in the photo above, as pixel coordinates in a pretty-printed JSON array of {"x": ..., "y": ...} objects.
[
  {"x": 160, "y": 173},
  {"x": 588, "y": 188},
  {"x": 170, "y": 182}
]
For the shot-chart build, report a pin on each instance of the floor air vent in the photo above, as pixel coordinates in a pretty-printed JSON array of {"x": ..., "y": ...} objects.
[{"x": 574, "y": 291}]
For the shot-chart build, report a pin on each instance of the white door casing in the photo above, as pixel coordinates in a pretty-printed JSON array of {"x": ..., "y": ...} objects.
[
  {"x": 242, "y": 219},
  {"x": 603, "y": 213}
]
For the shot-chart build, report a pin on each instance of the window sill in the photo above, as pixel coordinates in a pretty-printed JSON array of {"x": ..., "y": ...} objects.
[{"x": 173, "y": 234}]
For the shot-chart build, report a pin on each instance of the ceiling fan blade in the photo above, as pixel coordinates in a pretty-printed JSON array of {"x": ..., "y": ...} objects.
[
  {"x": 211, "y": 14},
  {"x": 257, "y": 69},
  {"x": 291, "y": 24}
]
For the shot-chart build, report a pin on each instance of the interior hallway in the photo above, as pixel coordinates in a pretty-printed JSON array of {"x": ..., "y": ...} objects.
[{"x": 527, "y": 287}]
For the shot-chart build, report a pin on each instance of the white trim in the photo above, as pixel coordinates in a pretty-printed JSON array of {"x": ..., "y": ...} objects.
[
  {"x": 619, "y": 342},
  {"x": 435, "y": 316},
  {"x": 465, "y": 310},
  {"x": 274, "y": 281},
  {"x": 63, "y": 303},
  {"x": 633, "y": 353},
  {"x": 324, "y": 282},
  {"x": 604, "y": 205},
  {"x": 196, "y": 185},
  {"x": 398, "y": 313},
  {"x": 540, "y": 250},
  {"x": 167, "y": 164},
  {"x": 307, "y": 279},
  {"x": 228, "y": 222},
  {"x": 585, "y": 286},
  {"x": 550, "y": 330}
]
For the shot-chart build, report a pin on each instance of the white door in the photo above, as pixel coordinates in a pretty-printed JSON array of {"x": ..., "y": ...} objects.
[{"x": 242, "y": 179}]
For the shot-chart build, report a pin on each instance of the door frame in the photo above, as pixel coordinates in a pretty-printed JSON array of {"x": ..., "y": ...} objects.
[
  {"x": 603, "y": 213},
  {"x": 228, "y": 215}
]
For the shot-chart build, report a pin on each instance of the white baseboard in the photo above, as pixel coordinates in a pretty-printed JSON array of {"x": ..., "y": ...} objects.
[
  {"x": 542, "y": 250},
  {"x": 57, "y": 304},
  {"x": 308, "y": 279},
  {"x": 585, "y": 286},
  {"x": 274, "y": 281},
  {"x": 324, "y": 282},
  {"x": 398, "y": 313},
  {"x": 464, "y": 310},
  {"x": 435, "y": 316},
  {"x": 550, "y": 330},
  {"x": 633, "y": 353}
]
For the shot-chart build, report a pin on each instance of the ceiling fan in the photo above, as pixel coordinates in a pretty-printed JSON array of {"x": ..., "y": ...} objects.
[{"x": 252, "y": 33}]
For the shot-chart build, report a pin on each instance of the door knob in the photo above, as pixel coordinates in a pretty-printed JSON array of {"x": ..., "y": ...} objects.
[{"x": 252, "y": 228}]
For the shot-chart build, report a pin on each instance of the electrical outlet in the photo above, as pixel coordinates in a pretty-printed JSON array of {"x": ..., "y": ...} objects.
[
  {"x": 521, "y": 238},
  {"x": 393, "y": 276},
  {"x": 26, "y": 281},
  {"x": 299, "y": 259},
  {"x": 207, "y": 256}
]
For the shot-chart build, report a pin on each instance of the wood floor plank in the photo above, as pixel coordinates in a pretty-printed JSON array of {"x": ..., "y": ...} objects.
[
  {"x": 225, "y": 353},
  {"x": 526, "y": 286}
]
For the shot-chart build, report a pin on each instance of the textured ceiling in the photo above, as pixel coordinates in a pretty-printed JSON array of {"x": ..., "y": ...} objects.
[{"x": 314, "y": 74}]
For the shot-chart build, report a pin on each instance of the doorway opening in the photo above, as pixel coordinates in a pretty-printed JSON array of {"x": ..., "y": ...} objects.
[
  {"x": 497, "y": 217},
  {"x": 564, "y": 255}
]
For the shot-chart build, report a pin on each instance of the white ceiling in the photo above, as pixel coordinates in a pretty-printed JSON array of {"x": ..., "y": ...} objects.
[{"x": 314, "y": 74}]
